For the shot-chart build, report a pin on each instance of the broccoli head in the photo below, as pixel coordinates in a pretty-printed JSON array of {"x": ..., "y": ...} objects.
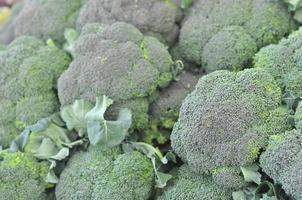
[
  {"x": 154, "y": 17},
  {"x": 284, "y": 61},
  {"x": 187, "y": 185},
  {"x": 117, "y": 61},
  {"x": 226, "y": 121},
  {"x": 22, "y": 177},
  {"x": 28, "y": 73},
  {"x": 107, "y": 174},
  {"x": 45, "y": 19},
  {"x": 203, "y": 34},
  {"x": 282, "y": 161}
]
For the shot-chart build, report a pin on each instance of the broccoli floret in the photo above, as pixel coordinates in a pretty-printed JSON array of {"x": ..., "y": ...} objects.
[
  {"x": 28, "y": 73},
  {"x": 117, "y": 61},
  {"x": 226, "y": 121},
  {"x": 265, "y": 21},
  {"x": 154, "y": 17},
  {"x": 108, "y": 174},
  {"x": 45, "y": 19},
  {"x": 22, "y": 177},
  {"x": 282, "y": 161},
  {"x": 231, "y": 48},
  {"x": 187, "y": 185},
  {"x": 298, "y": 116},
  {"x": 284, "y": 61}
]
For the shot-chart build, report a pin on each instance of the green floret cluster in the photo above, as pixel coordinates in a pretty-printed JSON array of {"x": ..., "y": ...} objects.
[
  {"x": 119, "y": 61},
  {"x": 28, "y": 73},
  {"x": 187, "y": 185},
  {"x": 284, "y": 61},
  {"x": 225, "y": 34},
  {"x": 107, "y": 174},
  {"x": 226, "y": 121},
  {"x": 22, "y": 177}
]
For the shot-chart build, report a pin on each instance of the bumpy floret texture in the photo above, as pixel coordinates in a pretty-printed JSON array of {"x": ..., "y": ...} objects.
[
  {"x": 154, "y": 17},
  {"x": 28, "y": 73},
  {"x": 118, "y": 61},
  {"x": 187, "y": 185},
  {"x": 106, "y": 174},
  {"x": 282, "y": 161},
  {"x": 227, "y": 119},
  {"x": 265, "y": 22},
  {"x": 231, "y": 48},
  {"x": 22, "y": 177},
  {"x": 45, "y": 18},
  {"x": 284, "y": 61}
]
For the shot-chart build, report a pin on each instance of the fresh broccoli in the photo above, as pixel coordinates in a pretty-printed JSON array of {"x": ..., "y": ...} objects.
[
  {"x": 282, "y": 161},
  {"x": 187, "y": 185},
  {"x": 22, "y": 177},
  {"x": 154, "y": 17},
  {"x": 45, "y": 19},
  {"x": 28, "y": 73},
  {"x": 107, "y": 174},
  {"x": 120, "y": 62},
  {"x": 201, "y": 35},
  {"x": 225, "y": 122},
  {"x": 284, "y": 61}
]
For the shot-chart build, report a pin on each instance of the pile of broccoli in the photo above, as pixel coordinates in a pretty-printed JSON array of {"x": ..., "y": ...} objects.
[{"x": 157, "y": 99}]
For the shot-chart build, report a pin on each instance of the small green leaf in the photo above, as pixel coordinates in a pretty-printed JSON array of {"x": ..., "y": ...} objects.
[
  {"x": 97, "y": 113},
  {"x": 51, "y": 177},
  {"x": 239, "y": 195},
  {"x": 45, "y": 150},
  {"x": 298, "y": 15},
  {"x": 71, "y": 37},
  {"x": 251, "y": 174},
  {"x": 186, "y": 3},
  {"x": 162, "y": 179},
  {"x": 62, "y": 154}
]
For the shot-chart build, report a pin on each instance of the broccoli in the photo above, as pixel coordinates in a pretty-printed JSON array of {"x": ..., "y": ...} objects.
[
  {"x": 298, "y": 116},
  {"x": 284, "y": 61},
  {"x": 262, "y": 21},
  {"x": 28, "y": 73},
  {"x": 187, "y": 185},
  {"x": 282, "y": 161},
  {"x": 225, "y": 122},
  {"x": 154, "y": 17},
  {"x": 117, "y": 61},
  {"x": 45, "y": 19},
  {"x": 22, "y": 177},
  {"x": 103, "y": 173}
]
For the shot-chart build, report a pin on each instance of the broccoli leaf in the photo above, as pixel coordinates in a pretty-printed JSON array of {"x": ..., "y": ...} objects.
[
  {"x": 251, "y": 174},
  {"x": 238, "y": 195},
  {"x": 71, "y": 37},
  {"x": 186, "y": 3}
]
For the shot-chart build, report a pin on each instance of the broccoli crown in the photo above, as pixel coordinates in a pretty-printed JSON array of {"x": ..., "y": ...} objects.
[
  {"x": 102, "y": 173},
  {"x": 265, "y": 21},
  {"x": 46, "y": 19},
  {"x": 22, "y": 177},
  {"x": 117, "y": 61},
  {"x": 284, "y": 61},
  {"x": 28, "y": 73},
  {"x": 154, "y": 17},
  {"x": 282, "y": 161},
  {"x": 187, "y": 185},
  {"x": 227, "y": 119},
  {"x": 231, "y": 48}
]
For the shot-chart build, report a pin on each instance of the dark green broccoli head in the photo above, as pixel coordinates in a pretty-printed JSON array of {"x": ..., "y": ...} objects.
[
  {"x": 28, "y": 73},
  {"x": 22, "y": 177},
  {"x": 227, "y": 119},
  {"x": 154, "y": 17},
  {"x": 106, "y": 174},
  {"x": 231, "y": 48},
  {"x": 187, "y": 185},
  {"x": 284, "y": 61},
  {"x": 282, "y": 161},
  {"x": 117, "y": 61},
  {"x": 265, "y": 21},
  {"x": 45, "y": 18}
]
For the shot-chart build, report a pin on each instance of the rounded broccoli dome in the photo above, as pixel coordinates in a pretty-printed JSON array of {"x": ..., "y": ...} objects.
[
  {"x": 106, "y": 174},
  {"x": 187, "y": 185},
  {"x": 119, "y": 62},
  {"x": 200, "y": 39},
  {"x": 154, "y": 17},
  {"x": 22, "y": 177},
  {"x": 282, "y": 161},
  {"x": 231, "y": 48},
  {"x": 226, "y": 120},
  {"x": 29, "y": 70}
]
